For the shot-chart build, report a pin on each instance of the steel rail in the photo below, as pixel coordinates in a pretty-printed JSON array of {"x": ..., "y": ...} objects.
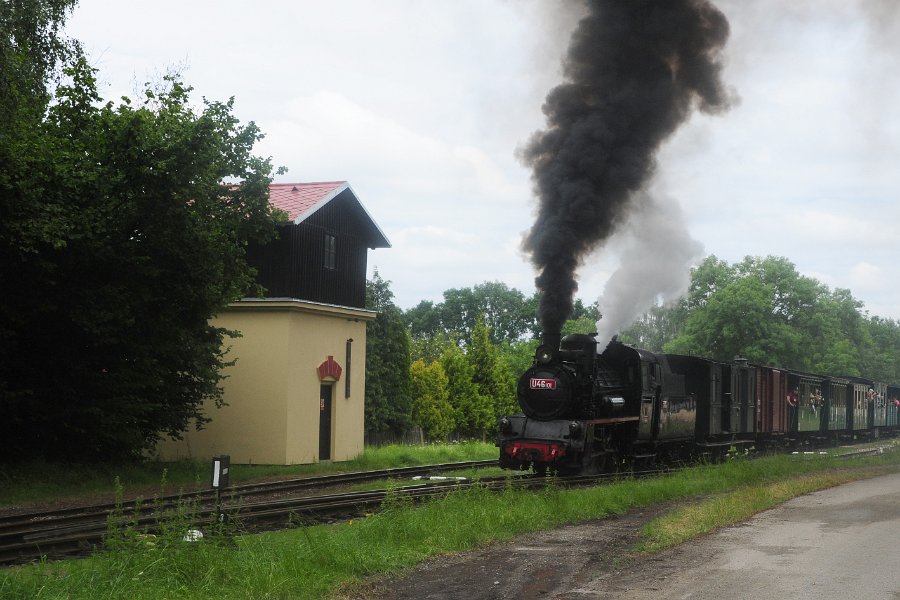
[
  {"x": 88, "y": 524},
  {"x": 81, "y": 539},
  {"x": 12, "y": 522},
  {"x": 55, "y": 539}
]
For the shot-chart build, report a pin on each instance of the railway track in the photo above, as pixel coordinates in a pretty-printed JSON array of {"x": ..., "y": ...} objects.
[
  {"x": 77, "y": 530},
  {"x": 53, "y": 539}
]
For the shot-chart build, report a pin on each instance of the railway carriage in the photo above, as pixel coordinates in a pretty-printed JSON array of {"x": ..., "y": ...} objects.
[
  {"x": 771, "y": 396},
  {"x": 739, "y": 399},
  {"x": 882, "y": 415},
  {"x": 892, "y": 393},
  {"x": 685, "y": 388},
  {"x": 858, "y": 404},
  {"x": 807, "y": 417},
  {"x": 837, "y": 405},
  {"x": 694, "y": 406}
]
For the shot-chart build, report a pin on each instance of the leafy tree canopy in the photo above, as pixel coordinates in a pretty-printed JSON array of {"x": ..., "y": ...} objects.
[
  {"x": 388, "y": 399},
  {"x": 491, "y": 374},
  {"x": 431, "y": 409},
  {"x": 583, "y": 320},
  {"x": 508, "y": 313},
  {"x": 31, "y": 52},
  {"x": 473, "y": 411},
  {"x": 118, "y": 243},
  {"x": 762, "y": 309}
]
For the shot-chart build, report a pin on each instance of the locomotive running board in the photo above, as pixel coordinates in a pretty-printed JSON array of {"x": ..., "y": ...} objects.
[
  {"x": 642, "y": 456},
  {"x": 611, "y": 421},
  {"x": 720, "y": 444}
]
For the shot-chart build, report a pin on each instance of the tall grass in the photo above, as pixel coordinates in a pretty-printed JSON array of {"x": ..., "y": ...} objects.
[{"x": 313, "y": 562}]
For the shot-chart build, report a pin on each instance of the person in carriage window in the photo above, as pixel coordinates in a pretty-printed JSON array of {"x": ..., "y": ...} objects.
[
  {"x": 792, "y": 399},
  {"x": 815, "y": 400}
]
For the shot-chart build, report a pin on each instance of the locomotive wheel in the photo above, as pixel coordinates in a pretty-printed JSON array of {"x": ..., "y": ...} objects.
[
  {"x": 603, "y": 455},
  {"x": 606, "y": 462}
]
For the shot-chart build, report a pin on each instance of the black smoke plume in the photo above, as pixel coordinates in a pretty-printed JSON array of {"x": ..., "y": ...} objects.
[{"x": 634, "y": 71}]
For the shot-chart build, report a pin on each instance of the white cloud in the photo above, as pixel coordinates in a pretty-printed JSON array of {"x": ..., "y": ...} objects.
[
  {"x": 866, "y": 277},
  {"x": 327, "y": 131}
]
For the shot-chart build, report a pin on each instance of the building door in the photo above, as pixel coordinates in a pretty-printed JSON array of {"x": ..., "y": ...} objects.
[{"x": 325, "y": 422}]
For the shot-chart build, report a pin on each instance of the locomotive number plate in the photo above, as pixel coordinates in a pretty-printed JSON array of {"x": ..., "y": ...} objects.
[{"x": 543, "y": 384}]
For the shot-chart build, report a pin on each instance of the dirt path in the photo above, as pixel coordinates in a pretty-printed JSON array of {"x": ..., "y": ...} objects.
[
  {"x": 832, "y": 544},
  {"x": 542, "y": 565}
]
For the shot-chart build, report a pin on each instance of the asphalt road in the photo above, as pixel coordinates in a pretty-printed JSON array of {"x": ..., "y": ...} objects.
[{"x": 837, "y": 544}]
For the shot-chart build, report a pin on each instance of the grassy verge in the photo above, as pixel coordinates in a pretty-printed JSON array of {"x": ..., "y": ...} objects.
[
  {"x": 38, "y": 481},
  {"x": 734, "y": 507},
  {"x": 314, "y": 562}
]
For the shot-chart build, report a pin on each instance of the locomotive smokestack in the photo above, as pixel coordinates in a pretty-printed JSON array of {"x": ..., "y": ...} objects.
[
  {"x": 552, "y": 340},
  {"x": 633, "y": 72}
]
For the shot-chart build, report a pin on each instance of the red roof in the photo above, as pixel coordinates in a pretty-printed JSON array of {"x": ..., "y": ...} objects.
[{"x": 299, "y": 200}]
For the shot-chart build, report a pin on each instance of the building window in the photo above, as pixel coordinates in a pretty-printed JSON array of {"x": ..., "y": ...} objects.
[{"x": 330, "y": 261}]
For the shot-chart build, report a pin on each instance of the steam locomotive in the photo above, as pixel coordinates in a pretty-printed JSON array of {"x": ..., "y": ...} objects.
[{"x": 588, "y": 412}]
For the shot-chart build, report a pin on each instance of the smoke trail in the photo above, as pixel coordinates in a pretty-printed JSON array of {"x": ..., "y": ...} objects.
[
  {"x": 634, "y": 71},
  {"x": 655, "y": 264}
]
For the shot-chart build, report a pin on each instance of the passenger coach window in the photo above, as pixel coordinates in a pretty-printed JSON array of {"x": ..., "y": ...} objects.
[{"x": 645, "y": 376}]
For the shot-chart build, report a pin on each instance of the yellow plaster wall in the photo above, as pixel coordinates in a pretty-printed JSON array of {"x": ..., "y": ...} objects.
[{"x": 272, "y": 392}]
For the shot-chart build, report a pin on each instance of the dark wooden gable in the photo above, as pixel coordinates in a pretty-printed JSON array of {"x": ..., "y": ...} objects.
[{"x": 304, "y": 265}]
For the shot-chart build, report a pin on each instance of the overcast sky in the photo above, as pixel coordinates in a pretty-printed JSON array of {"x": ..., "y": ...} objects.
[{"x": 421, "y": 105}]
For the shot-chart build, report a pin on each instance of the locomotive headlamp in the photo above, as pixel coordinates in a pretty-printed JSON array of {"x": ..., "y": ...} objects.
[
  {"x": 505, "y": 425},
  {"x": 574, "y": 428},
  {"x": 544, "y": 354}
]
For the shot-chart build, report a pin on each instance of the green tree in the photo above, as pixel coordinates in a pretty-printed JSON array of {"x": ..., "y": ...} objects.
[
  {"x": 431, "y": 409},
  {"x": 707, "y": 278},
  {"x": 431, "y": 348},
  {"x": 884, "y": 363},
  {"x": 31, "y": 51},
  {"x": 387, "y": 363},
  {"x": 518, "y": 356},
  {"x": 424, "y": 320},
  {"x": 737, "y": 321},
  {"x": 662, "y": 324},
  {"x": 834, "y": 335},
  {"x": 118, "y": 243},
  {"x": 583, "y": 319},
  {"x": 507, "y": 312},
  {"x": 473, "y": 411},
  {"x": 491, "y": 376},
  {"x": 793, "y": 295},
  {"x": 657, "y": 327},
  {"x": 764, "y": 310}
]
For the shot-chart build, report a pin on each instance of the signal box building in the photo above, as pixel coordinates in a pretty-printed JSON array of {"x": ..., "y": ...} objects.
[{"x": 296, "y": 393}]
